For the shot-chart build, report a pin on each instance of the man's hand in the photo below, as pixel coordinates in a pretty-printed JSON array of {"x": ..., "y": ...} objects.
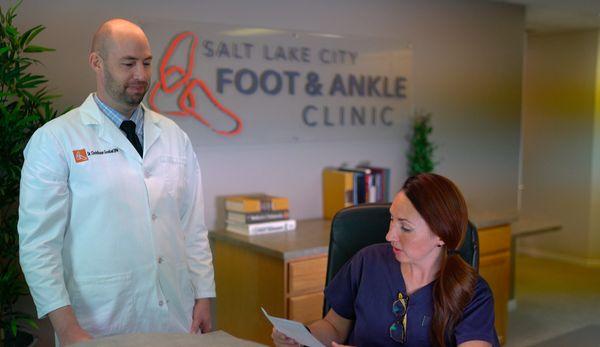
[
  {"x": 201, "y": 316},
  {"x": 74, "y": 335},
  {"x": 66, "y": 326}
]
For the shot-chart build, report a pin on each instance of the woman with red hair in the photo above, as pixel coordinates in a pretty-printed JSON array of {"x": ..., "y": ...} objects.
[{"x": 414, "y": 290}]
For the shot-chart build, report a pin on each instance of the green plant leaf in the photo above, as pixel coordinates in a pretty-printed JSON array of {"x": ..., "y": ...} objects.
[
  {"x": 420, "y": 156},
  {"x": 11, "y": 31},
  {"x": 32, "y": 81},
  {"x": 13, "y": 327},
  {"x": 37, "y": 49},
  {"x": 25, "y": 105},
  {"x": 30, "y": 34}
]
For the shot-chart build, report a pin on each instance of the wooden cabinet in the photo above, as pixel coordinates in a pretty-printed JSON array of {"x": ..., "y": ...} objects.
[
  {"x": 306, "y": 278},
  {"x": 282, "y": 272},
  {"x": 285, "y": 274},
  {"x": 306, "y": 275},
  {"x": 306, "y": 308},
  {"x": 248, "y": 280},
  {"x": 494, "y": 267}
]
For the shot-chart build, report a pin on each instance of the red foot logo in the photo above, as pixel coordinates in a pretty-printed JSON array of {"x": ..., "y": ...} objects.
[
  {"x": 188, "y": 84},
  {"x": 80, "y": 155}
]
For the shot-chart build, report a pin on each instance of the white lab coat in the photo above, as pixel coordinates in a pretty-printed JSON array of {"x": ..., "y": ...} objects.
[{"x": 119, "y": 238}]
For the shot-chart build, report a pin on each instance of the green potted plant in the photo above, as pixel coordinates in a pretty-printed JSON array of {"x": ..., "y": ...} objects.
[
  {"x": 420, "y": 155},
  {"x": 25, "y": 105}
]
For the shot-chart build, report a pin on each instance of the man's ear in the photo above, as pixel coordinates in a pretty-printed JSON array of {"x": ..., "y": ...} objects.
[{"x": 96, "y": 61}]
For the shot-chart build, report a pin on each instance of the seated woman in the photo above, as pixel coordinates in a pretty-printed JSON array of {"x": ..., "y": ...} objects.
[{"x": 415, "y": 290}]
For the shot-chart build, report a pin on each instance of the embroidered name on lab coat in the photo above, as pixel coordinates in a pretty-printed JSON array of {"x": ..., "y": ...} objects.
[{"x": 106, "y": 151}]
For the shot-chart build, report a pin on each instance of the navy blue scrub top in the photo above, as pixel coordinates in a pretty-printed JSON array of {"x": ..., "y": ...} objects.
[{"x": 365, "y": 288}]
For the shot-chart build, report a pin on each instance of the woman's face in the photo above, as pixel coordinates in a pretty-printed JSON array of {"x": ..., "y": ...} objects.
[{"x": 409, "y": 234}]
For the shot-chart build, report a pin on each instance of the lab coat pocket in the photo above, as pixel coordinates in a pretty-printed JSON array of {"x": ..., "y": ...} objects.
[
  {"x": 103, "y": 305},
  {"x": 173, "y": 170}
]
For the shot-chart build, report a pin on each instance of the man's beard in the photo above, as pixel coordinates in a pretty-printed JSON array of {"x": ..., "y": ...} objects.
[{"x": 119, "y": 92}]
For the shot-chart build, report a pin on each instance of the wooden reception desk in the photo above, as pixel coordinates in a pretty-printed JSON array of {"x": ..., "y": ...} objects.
[{"x": 285, "y": 274}]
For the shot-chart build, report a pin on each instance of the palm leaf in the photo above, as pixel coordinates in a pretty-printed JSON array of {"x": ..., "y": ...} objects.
[{"x": 25, "y": 104}]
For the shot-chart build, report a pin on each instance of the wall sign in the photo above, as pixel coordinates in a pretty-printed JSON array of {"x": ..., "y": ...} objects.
[{"x": 227, "y": 85}]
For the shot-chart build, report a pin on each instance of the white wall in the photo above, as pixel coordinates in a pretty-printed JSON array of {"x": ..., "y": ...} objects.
[
  {"x": 467, "y": 60},
  {"x": 467, "y": 71},
  {"x": 560, "y": 147}
]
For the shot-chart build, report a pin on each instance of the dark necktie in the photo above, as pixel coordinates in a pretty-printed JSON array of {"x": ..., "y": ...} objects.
[{"x": 128, "y": 127}]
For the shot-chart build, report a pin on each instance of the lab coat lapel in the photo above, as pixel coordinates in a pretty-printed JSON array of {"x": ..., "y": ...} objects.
[
  {"x": 107, "y": 130},
  {"x": 151, "y": 129}
]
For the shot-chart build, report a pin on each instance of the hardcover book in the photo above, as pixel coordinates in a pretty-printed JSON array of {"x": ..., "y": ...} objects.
[
  {"x": 255, "y": 203},
  {"x": 338, "y": 191},
  {"x": 262, "y": 228},
  {"x": 259, "y": 217}
]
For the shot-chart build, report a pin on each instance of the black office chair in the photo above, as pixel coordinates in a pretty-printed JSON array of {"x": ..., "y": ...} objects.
[{"x": 356, "y": 227}]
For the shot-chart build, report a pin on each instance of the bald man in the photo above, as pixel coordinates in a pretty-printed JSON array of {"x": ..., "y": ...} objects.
[{"x": 111, "y": 225}]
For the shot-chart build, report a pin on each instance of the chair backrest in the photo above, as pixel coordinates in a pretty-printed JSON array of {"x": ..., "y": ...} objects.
[{"x": 356, "y": 227}]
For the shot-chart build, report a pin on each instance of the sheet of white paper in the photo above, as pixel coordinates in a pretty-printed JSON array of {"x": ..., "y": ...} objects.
[{"x": 293, "y": 329}]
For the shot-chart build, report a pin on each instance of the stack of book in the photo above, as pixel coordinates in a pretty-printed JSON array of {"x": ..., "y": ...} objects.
[
  {"x": 343, "y": 187},
  {"x": 257, "y": 214}
]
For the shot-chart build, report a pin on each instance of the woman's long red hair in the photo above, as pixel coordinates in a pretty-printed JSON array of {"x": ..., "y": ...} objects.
[{"x": 442, "y": 206}]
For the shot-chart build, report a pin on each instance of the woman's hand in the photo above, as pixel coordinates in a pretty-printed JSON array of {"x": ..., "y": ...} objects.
[{"x": 281, "y": 340}]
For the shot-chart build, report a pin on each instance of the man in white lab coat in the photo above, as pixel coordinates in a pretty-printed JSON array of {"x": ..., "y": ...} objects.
[{"x": 111, "y": 225}]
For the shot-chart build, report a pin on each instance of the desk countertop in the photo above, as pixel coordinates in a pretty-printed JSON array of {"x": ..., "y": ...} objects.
[
  {"x": 213, "y": 339},
  {"x": 487, "y": 219},
  {"x": 311, "y": 237},
  {"x": 526, "y": 226}
]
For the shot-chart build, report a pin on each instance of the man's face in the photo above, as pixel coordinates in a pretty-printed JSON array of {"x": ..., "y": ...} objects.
[{"x": 127, "y": 71}]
